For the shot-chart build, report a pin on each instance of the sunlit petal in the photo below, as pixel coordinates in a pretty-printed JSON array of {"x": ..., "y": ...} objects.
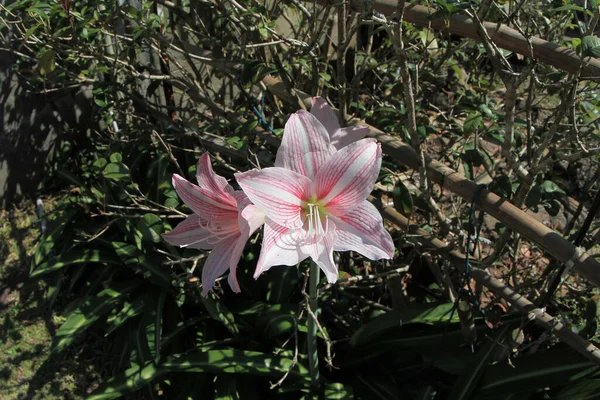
[
  {"x": 278, "y": 192},
  {"x": 305, "y": 145},
  {"x": 362, "y": 230},
  {"x": 321, "y": 249},
  {"x": 280, "y": 246},
  {"x": 349, "y": 175}
]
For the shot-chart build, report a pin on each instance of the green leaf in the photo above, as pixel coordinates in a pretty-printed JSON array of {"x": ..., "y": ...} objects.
[
  {"x": 132, "y": 379},
  {"x": 281, "y": 284},
  {"x": 550, "y": 190},
  {"x": 472, "y": 123},
  {"x": 569, "y": 7},
  {"x": 236, "y": 362},
  {"x": 220, "y": 313},
  {"x": 466, "y": 384},
  {"x": 53, "y": 235},
  {"x": 92, "y": 309},
  {"x": 99, "y": 164},
  {"x": 590, "y": 46},
  {"x": 552, "y": 368},
  {"x": 415, "y": 314},
  {"x": 336, "y": 390},
  {"x": 116, "y": 171},
  {"x": 133, "y": 257},
  {"x": 151, "y": 227},
  {"x": 116, "y": 158},
  {"x": 403, "y": 201},
  {"x": 38, "y": 11},
  {"x": 226, "y": 388},
  {"x": 47, "y": 62},
  {"x": 129, "y": 311},
  {"x": 229, "y": 361},
  {"x": 256, "y": 70},
  {"x": 75, "y": 257},
  {"x": 584, "y": 390}
]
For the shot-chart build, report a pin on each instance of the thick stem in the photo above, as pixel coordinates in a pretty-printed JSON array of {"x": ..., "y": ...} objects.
[{"x": 313, "y": 303}]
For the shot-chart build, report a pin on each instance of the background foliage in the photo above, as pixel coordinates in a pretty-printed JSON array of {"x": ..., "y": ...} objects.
[{"x": 171, "y": 80}]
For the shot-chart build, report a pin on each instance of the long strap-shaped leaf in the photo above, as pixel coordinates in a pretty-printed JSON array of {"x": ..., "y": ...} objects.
[{"x": 230, "y": 361}]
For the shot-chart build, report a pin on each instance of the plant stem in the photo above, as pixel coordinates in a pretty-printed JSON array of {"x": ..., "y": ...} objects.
[{"x": 313, "y": 303}]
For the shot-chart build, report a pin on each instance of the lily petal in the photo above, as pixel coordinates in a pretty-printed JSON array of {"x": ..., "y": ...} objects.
[
  {"x": 189, "y": 233},
  {"x": 278, "y": 192},
  {"x": 250, "y": 219},
  {"x": 325, "y": 115},
  {"x": 202, "y": 201},
  {"x": 344, "y": 136},
  {"x": 362, "y": 230},
  {"x": 321, "y": 252},
  {"x": 217, "y": 263},
  {"x": 216, "y": 186},
  {"x": 280, "y": 246},
  {"x": 305, "y": 145},
  {"x": 349, "y": 175}
]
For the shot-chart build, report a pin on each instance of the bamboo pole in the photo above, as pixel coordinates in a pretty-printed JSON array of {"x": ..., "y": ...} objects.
[{"x": 502, "y": 35}]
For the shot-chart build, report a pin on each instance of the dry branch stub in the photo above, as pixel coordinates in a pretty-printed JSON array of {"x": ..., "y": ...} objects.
[{"x": 503, "y": 36}]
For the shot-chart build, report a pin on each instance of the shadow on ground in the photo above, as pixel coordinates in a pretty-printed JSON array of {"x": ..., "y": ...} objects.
[{"x": 27, "y": 325}]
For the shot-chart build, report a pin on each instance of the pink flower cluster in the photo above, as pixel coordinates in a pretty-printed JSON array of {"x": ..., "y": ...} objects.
[{"x": 312, "y": 203}]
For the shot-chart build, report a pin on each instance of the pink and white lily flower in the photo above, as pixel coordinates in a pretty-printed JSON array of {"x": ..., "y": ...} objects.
[
  {"x": 314, "y": 199},
  {"x": 223, "y": 221},
  {"x": 340, "y": 137}
]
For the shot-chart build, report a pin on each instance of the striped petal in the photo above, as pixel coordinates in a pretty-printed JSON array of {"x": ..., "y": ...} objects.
[
  {"x": 305, "y": 146},
  {"x": 280, "y": 246},
  {"x": 250, "y": 219},
  {"x": 189, "y": 233},
  {"x": 348, "y": 177},
  {"x": 324, "y": 113},
  {"x": 320, "y": 249},
  {"x": 215, "y": 186},
  {"x": 217, "y": 263},
  {"x": 362, "y": 230},
  {"x": 204, "y": 202},
  {"x": 344, "y": 136},
  {"x": 278, "y": 192}
]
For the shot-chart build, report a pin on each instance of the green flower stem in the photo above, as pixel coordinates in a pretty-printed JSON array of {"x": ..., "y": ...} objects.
[{"x": 313, "y": 354}]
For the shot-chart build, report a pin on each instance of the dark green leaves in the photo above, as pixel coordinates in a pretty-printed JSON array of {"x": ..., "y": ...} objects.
[
  {"x": 590, "y": 46},
  {"x": 415, "y": 314},
  {"x": 116, "y": 171},
  {"x": 75, "y": 257},
  {"x": 472, "y": 123},
  {"x": 403, "y": 201},
  {"x": 92, "y": 309},
  {"x": 227, "y": 361}
]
